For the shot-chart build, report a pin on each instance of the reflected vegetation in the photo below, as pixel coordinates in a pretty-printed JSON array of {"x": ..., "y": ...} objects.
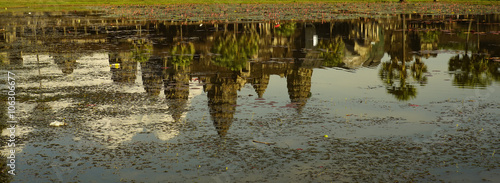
[
  {"x": 473, "y": 71},
  {"x": 141, "y": 50},
  {"x": 332, "y": 52},
  {"x": 176, "y": 84},
  {"x": 232, "y": 51},
  {"x": 182, "y": 54},
  {"x": 118, "y": 80},
  {"x": 225, "y": 57},
  {"x": 404, "y": 69}
]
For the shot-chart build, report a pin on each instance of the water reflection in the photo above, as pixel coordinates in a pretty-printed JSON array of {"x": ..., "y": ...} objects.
[
  {"x": 222, "y": 94},
  {"x": 473, "y": 71},
  {"x": 298, "y": 82},
  {"x": 152, "y": 75},
  {"x": 395, "y": 73},
  {"x": 176, "y": 84},
  {"x": 167, "y": 56},
  {"x": 65, "y": 62},
  {"x": 123, "y": 68},
  {"x": 233, "y": 51},
  {"x": 332, "y": 52}
]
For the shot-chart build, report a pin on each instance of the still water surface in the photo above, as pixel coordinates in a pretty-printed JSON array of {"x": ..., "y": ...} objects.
[{"x": 406, "y": 98}]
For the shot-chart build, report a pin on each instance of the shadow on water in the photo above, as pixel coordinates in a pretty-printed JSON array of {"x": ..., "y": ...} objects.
[{"x": 121, "y": 82}]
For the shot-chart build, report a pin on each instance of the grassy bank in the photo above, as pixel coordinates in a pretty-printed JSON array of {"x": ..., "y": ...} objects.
[
  {"x": 70, "y": 5},
  {"x": 34, "y": 3}
]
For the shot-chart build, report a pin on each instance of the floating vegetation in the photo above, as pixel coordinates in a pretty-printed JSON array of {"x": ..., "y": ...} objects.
[{"x": 292, "y": 11}]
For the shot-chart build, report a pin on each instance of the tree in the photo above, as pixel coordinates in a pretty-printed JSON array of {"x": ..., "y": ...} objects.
[
  {"x": 183, "y": 54},
  {"x": 234, "y": 51},
  {"x": 473, "y": 71},
  {"x": 332, "y": 52}
]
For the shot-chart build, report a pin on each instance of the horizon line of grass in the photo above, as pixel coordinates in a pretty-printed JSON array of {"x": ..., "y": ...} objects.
[
  {"x": 27, "y": 3},
  {"x": 70, "y": 5}
]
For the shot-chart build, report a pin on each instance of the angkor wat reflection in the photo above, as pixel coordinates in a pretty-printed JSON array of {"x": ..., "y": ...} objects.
[{"x": 166, "y": 56}]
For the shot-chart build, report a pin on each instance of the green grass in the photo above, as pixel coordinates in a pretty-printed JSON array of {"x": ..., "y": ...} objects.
[
  {"x": 70, "y": 5},
  {"x": 24, "y": 3}
]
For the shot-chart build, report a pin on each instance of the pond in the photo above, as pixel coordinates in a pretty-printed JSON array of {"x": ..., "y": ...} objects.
[{"x": 400, "y": 98}]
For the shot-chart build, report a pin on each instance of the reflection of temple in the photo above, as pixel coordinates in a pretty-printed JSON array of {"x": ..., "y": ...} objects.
[
  {"x": 365, "y": 49},
  {"x": 364, "y": 41},
  {"x": 298, "y": 76},
  {"x": 299, "y": 86},
  {"x": 123, "y": 69},
  {"x": 259, "y": 83},
  {"x": 222, "y": 96},
  {"x": 66, "y": 62},
  {"x": 176, "y": 83},
  {"x": 152, "y": 75},
  {"x": 13, "y": 58},
  {"x": 290, "y": 50}
]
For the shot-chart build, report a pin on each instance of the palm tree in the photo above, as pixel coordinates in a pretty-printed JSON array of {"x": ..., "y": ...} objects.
[
  {"x": 395, "y": 78},
  {"x": 234, "y": 51},
  {"x": 182, "y": 54},
  {"x": 474, "y": 71}
]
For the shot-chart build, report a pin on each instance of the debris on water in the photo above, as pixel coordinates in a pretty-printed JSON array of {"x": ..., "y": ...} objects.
[
  {"x": 115, "y": 66},
  {"x": 267, "y": 143},
  {"x": 58, "y": 123}
]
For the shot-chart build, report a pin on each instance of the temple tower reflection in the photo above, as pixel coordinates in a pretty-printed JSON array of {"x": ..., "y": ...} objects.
[
  {"x": 123, "y": 69},
  {"x": 222, "y": 95},
  {"x": 152, "y": 75},
  {"x": 176, "y": 84}
]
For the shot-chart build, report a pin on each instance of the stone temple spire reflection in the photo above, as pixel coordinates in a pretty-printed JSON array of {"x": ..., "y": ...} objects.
[
  {"x": 222, "y": 96},
  {"x": 260, "y": 84},
  {"x": 299, "y": 86},
  {"x": 176, "y": 84},
  {"x": 260, "y": 79},
  {"x": 152, "y": 75},
  {"x": 66, "y": 62},
  {"x": 124, "y": 69}
]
